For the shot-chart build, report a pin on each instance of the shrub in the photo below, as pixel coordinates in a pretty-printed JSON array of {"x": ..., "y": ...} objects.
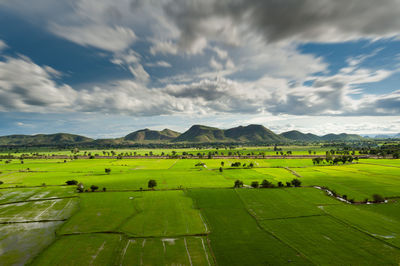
[
  {"x": 71, "y": 182},
  {"x": 107, "y": 171},
  {"x": 255, "y": 184},
  {"x": 266, "y": 184},
  {"x": 94, "y": 188},
  {"x": 221, "y": 169},
  {"x": 152, "y": 183},
  {"x": 296, "y": 182},
  {"x": 378, "y": 198},
  {"x": 236, "y": 164},
  {"x": 280, "y": 184},
  {"x": 238, "y": 184},
  {"x": 288, "y": 184},
  {"x": 1, "y": 182},
  {"x": 104, "y": 189}
]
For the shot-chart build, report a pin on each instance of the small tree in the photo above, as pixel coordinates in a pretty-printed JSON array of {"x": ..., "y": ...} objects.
[
  {"x": 378, "y": 198},
  {"x": 107, "y": 170},
  {"x": 1, "y": 182},
  {"x": 238, "y": 184},
  {"x": 152, "y": 183},
  {"x": 296, "y": 182},
  {"x": 288, "y": 184},
  {"x": 104, "y": 189},
  {"x": 255, "y": 184},
  {"x": 71, "y": 182},
  {"x": 222, "y": 164},
  {"x": 94, "y": 188},
  {"x": 280, "y": 184},
  {"x": 266, "y": 184},
  {"x": 221, "y": 169}
]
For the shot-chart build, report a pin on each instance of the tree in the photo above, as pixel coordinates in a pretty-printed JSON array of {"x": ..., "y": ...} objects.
[
  {"x": 266, "y": 184},
  {"x": 255, "y": 184},
  {"x": 288, "y": 184},
  {"x": 152, "y": 183},
  {"x": 280, "y": 184},
  {"x": 238, "y": 184},
  {"x": 221, "y": 169},
  {"x": 222, "y": 164},
  {"x": 107, "y": 170},
  {"x": 71, "y": 182},
  {"x": 378, "y": 198},
  {"x": 104, "y": 189},
  {"x": 296, "y": 182},
  {"x": 1, "y": 182},
  {"x": 94, "y": 188}
]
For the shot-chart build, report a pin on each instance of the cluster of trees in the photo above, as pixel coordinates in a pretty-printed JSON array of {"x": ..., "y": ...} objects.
[
  {"x": 392, "y": 150},
  {"x": 334, "y": 160},
  {"x": 267, "y": 184},
  {"x": 238, "y": 164},
  {"x": 81, "y": 188}
]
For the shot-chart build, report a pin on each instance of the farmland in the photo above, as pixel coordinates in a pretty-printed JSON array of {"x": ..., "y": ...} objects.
[{"x": 194, "y": 216}]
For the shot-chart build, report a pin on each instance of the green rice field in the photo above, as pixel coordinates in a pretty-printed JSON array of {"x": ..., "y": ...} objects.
[{"x": 194, "y": 216}]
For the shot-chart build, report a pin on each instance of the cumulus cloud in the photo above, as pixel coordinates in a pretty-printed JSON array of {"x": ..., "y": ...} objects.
[
  {"x": 3, "y": 45},
  {"x": 159, "y": 64}
]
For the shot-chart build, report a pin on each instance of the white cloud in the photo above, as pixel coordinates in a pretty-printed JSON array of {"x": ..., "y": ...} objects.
[
  {"x": 104, "y": 37},
  {"x": 159, "y": 64},
  {"x": 163, "y": 47},
  {"x": 3, "y": 45}
]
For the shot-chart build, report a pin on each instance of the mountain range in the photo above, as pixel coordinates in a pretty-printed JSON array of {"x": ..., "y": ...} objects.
[{"x": 195, "y": 134}]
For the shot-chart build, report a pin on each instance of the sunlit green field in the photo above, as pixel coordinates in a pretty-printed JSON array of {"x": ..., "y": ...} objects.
[{"x": 194, "y": 216}]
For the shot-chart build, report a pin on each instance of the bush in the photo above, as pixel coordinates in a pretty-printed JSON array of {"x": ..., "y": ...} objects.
[
  {"x": 266, "y": 184},
  {"x": 94, "y": 188},
  {"x": 107, "y": 171},
  {"x": 255, "y": 184},
  {"x": 236, "y": 164},
  {"x": 288, "y": 184},
  {"x": 104, "y": 189},
  {"x": 238, "y": 184},
  {"x": 1, "y": 182},
  {"x": 280, "y": 184},
  {"x": 71, "y": 182},
  {"x": 152, "y": 183},
  {"x": 80, "y": 188},
  {"x": 221, "y": 169},
  {"x": 378, "y": 198},
  {"x": 296, "y": 182}
]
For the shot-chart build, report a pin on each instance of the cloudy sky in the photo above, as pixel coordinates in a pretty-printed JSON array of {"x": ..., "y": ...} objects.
[{"x": 104, "y": 68}]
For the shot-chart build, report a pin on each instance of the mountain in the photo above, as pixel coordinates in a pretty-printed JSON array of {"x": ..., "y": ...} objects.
[
  {"x": 42, "y": 139},
  {"x": 251, "y": 133},
  {"x": 199, "y": 133},
  {"x": 299, "y": 136},
  {"x": 151, "y": 135},
  {"x": 341, "y": 137}
]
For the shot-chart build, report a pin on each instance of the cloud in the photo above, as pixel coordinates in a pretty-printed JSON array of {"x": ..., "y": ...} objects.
[
  {"x": 3, "y": 45},
  {"x": 27, "y": 87},
  {"x": 104, "y": 37},
  {"x": 159, "y": 64}
]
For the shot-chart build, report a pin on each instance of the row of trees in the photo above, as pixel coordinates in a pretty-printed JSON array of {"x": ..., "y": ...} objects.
[{"x": 267, "y": 184}]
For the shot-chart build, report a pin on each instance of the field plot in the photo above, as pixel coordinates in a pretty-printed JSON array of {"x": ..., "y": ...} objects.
[
  {"x": 89, "y": 249},
  {"x": 326, "y": 241},
  {"x": 170, "y": 251},
  {"x": 357, "y": 181},
  {"x": 164, "y": 213},
  {"x": 372, "y": 223},
  {"x": 235, "y": 237},
  {"x": 21, "y": 242},
  {"x": 284, "y": 202},
  {"x": 56, "y": 209},
  {"x": 101, "y": 212}
]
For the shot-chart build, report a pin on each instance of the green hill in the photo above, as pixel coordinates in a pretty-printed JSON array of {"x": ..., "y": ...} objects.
[
  {"x": 151, "y": 135},
  {"x": 299, "y": 136},
  {"x": 43, "y": 139},
  {"x": 341, "y": 137},
  {"x": 199, "y": 133},
  {"x": 251, "y": 133}
]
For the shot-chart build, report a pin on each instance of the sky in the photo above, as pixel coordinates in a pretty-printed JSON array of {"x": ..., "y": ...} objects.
[{"x": 105, "y": 68}]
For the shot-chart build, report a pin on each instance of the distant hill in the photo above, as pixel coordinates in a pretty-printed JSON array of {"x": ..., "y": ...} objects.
[
  {"x": 341, "y": 137},
  {"x": 199, "y": 133},
  {"x": 299, "y": 136},
  {"x": 151, "y": 135},
  {"x": 251, "y": 133},
  {"x": 42, "y": 139},
  {"x": 195, "y": 134}
]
